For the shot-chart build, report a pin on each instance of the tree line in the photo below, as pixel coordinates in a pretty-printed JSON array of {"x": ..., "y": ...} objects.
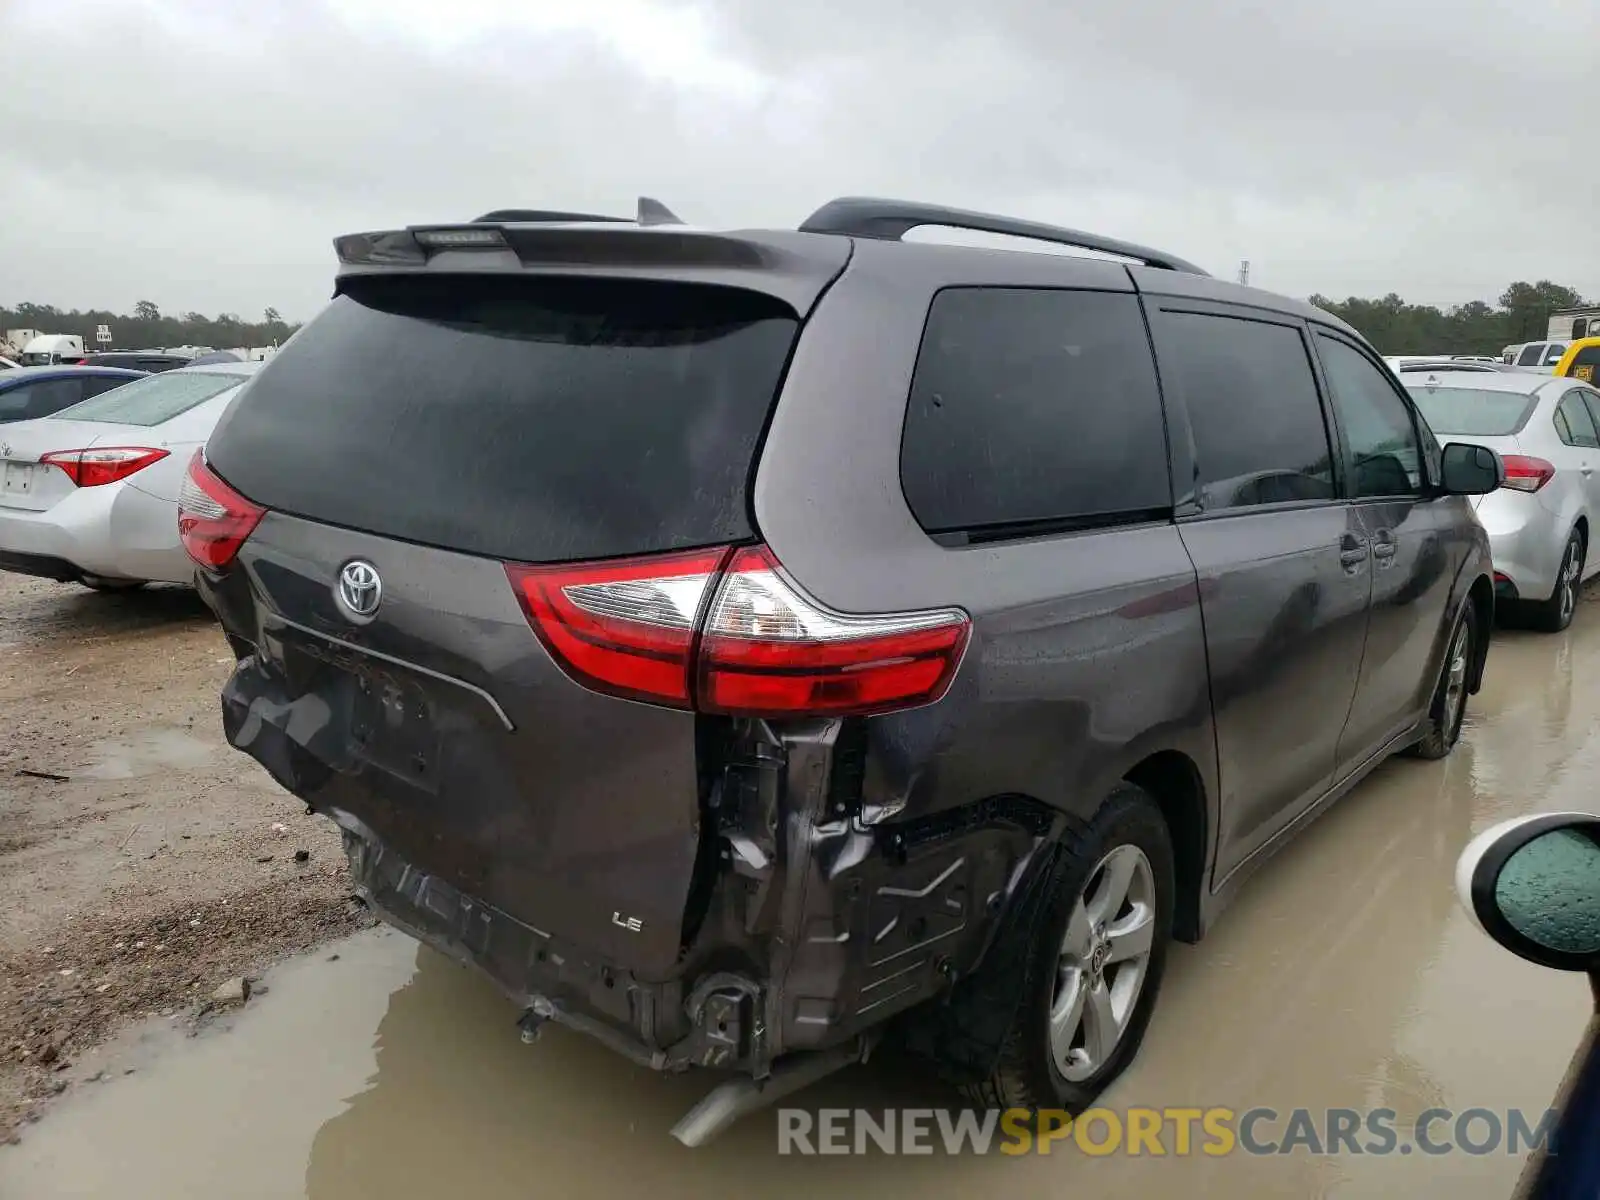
[
  {"x": 147, "y": 327},
  {"x": 1522, "y": 314}
]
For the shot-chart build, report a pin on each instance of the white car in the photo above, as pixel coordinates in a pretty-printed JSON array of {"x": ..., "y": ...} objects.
[
  {"x": 1536, "y": 356},
  {"x": 1542, "y": 519},
  {"x": 90, "y": 495}
]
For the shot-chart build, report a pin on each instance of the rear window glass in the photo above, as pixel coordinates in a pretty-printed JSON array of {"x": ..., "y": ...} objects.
[
  {"x": 153, "y": 399},
  {"x": 1584, "y": 364},
  {"x": 1471, "y": 412},
  {"x": 536, "y": 420},
  {"x": 1033, "y": 408}
]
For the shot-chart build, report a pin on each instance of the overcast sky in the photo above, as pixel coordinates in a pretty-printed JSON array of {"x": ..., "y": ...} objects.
[{"x": 204, "y": 155}]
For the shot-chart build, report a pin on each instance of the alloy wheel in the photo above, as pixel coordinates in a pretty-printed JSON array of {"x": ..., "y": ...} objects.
[
  {"x": 1455, "y": 685},
  {"x": 1105, "y": 957},
  {"x": 1571, "y": 566}
]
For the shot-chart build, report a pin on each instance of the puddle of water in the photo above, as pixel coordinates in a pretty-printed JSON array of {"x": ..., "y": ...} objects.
[
  {"x": 146, "y": 753},
  {"x": 1344, "y": 976}
]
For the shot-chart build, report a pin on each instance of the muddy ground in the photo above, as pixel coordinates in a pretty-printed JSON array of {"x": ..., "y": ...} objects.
[{"x": 142, "y": 861}]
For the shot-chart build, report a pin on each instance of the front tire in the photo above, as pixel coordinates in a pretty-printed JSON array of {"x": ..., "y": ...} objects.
[
  {"x": 1094, "y": 969},
  {"x": 1449, "y": 707}
]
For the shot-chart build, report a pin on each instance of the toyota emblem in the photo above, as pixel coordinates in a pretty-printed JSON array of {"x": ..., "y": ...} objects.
[{"x": 360, "y": 590}]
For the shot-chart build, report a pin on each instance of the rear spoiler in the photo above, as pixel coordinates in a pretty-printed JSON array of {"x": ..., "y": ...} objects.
[{"x": 795, "y": 268}]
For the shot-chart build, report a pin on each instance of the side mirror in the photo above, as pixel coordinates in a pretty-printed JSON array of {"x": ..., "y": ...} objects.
[
  {"x": 1533, "y": 885},
  {"x": 1470, "y": 470}
]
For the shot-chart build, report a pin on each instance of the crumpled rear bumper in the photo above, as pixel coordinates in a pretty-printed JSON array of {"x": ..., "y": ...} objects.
[{"x": 536, "y": 971}]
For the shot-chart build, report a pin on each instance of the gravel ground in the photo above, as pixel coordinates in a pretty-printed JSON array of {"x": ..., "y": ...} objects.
[{"x": 142, "y": 861}]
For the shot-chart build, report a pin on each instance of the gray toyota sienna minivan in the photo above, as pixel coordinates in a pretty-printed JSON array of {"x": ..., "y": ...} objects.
[{"x": 732, "y": 641}]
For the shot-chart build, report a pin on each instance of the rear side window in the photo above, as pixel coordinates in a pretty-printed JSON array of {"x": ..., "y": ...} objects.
[
  {"x": 153, "y": 399},
  {"x": 93, "y": 385},
  {"x": 537, "y": 420},
  {"x": 1259, "y": 432},
  {"x": 1531, "y": 354},
  {"x": 1585, "y": 363},
  {"x": 1573, "y": 423},
  {"x": 43, "y": 399},
  {"x": 1033, "y": 408}
]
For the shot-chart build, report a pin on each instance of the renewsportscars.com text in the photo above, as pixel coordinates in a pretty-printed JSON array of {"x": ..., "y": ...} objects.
[{"x": 1159, "y": 1132}]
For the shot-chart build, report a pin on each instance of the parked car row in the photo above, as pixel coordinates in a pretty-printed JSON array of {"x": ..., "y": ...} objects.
[
  {"x": 89, "y": 493},
  {"x": 733, "y": 642}
]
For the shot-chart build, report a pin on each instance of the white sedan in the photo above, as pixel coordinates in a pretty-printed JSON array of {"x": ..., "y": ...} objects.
[{"x": 90, "y": 495}]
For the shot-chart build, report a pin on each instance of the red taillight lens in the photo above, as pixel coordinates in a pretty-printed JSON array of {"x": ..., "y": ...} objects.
[
  {"x": 1526, "y": 473},
  {"x": 213, "y": 519},
  {"x": 103, "y": 464},
  {"x": 769, "y": 650},
  {"x": 728, "y": 632},
  {"x": 625, "y": 627}
]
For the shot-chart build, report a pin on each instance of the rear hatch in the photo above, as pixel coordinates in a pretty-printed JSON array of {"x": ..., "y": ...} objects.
[{"x": 421, "y": 434}]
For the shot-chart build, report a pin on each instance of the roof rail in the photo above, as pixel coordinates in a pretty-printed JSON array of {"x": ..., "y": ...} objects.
[
  {"x": 536, "y": 216},
  {"x": 866, "y": 217}
]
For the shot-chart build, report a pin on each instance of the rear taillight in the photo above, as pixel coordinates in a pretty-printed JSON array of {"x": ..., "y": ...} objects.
[
  {"x": 768, "y": 648},
  {"x": 728, "y": 632},
  {"x": 1526, "y": 473},
  {"x": 103, "y": 464},
  {"x": 213, "y": 519},
  {"x": 625, "y": 627}
]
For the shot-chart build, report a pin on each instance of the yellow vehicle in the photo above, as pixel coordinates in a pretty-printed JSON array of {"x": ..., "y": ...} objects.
[{"x": 1581, "y": 361}]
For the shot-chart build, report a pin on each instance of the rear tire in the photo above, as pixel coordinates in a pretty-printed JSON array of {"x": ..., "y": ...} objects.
[
  {"x": 1449, "y": 707},
  {"x": 1555, "y": 614},
  {"x": 1094, "y": 969}
]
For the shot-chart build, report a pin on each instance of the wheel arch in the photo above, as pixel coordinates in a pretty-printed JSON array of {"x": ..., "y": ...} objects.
[
  {"x": 1481, "y": 596},
  {"x": 1174, "y": 781}
]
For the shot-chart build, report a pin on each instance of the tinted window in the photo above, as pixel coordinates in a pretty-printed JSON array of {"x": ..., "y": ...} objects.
[
  {"x": 1472, "y": 413},
  {"x": 1553, "y": 355},
  {"x": 1574, "y": 425},
  {"x": 531, "y": 419},
  {"x": 154, "y": 398},
  {"x": 1259, "y": 433},
  {"x": 1385, "y": 451},
  {"x": 1585, "y": 363},
  {"x": 1033, "y": 406},
  {"x": 1591, "y": 400},
  {"x": 1531, "y": 354},
  {"x": 93, "y": 385},
  {"x": 40, "y": 399}
]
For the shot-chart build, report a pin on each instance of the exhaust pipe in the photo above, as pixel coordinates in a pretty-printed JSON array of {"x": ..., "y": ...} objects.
[{"x": 726, "y": 1103}]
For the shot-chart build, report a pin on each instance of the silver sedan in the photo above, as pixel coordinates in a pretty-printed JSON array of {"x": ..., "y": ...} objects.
[
  {"x": 91, "y": 494},
  {"x": 1539, "y": 523}
]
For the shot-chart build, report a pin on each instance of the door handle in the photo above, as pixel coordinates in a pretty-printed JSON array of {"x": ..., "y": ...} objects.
[
  {"x": 1352, "y": 553},
  {"x": 1383, "y": 549}
]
